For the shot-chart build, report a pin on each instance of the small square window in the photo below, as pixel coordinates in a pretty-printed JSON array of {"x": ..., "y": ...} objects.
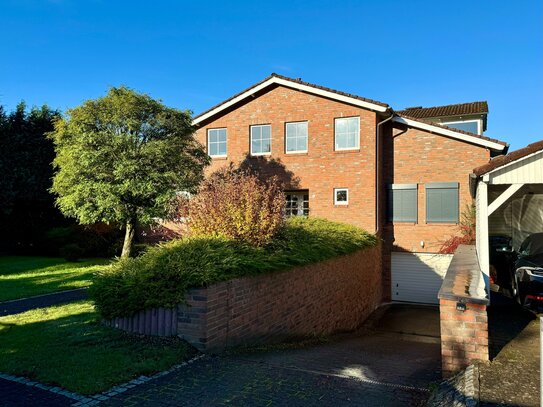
[
  {"x": 261, "y": 139},
  {"x": 347, "y": 133},
  {"x": 216, "y": 142},
  {"x": 341, "y": 196},
  {"x": 296, "y": 137}
]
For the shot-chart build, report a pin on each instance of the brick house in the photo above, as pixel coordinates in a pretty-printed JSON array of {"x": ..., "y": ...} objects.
[{"x": 401, "y": 174}]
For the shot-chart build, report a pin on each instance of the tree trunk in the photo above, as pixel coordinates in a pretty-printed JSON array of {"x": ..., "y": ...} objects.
[{"x": 128, "y": 239}]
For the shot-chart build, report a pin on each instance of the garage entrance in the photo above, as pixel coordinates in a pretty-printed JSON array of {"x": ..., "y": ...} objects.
[{"x": 417, "y": 277}]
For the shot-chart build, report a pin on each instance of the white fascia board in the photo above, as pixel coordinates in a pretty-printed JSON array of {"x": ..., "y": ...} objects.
[
  {"x": 290, "y": 84},
  {"x": 449, "y": 133}
]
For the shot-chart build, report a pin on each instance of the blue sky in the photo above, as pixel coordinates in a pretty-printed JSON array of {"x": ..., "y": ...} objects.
[{"x": 194, "y": 54}]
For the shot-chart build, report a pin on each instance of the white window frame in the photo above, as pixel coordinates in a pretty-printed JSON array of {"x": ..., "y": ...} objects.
[
  {"x": 479, "y": 124},
  {"x": 357, "y": 138},
  {"x": 217, "y": 142},
  {"x": 336, "y": 202},
  {"x": 307, "y": 137},
  {"x": 251, "y": 139},
  {"x": 300, "y": 209}
]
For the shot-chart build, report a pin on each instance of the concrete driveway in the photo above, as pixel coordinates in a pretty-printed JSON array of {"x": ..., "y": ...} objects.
[{"x": 390, "y": 362}]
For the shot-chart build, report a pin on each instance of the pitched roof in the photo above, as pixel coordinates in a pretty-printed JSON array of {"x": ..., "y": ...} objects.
[
  {"x": 275, "y": 79},
  {"x": 509, "y": 158},
  {"x": 420, "y": 112},
  {"x": 492, "y": 143}
]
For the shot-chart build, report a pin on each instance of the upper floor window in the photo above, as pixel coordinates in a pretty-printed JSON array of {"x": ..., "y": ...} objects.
[
  {"x": 473, "y": 126},
  {"x": 261, "y": 139},
  {"x": 216, "y": 142},
  {"x": 347, "y": 133},
  {"x": 296, "y": 137},
  {"x": 442, "y": 202}
]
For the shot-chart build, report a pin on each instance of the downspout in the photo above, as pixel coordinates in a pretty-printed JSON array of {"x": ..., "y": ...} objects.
[{"x": 378, "y": 170}]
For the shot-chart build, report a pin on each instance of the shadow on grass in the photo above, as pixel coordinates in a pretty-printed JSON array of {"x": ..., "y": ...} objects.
[{"x": 67, "y": 346}]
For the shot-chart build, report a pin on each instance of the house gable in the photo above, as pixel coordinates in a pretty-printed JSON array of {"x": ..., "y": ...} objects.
[{"x": 277, "y": 80}]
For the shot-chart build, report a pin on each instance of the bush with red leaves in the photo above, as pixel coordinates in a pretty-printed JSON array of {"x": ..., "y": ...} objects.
[{"x": 466, "y": 228}]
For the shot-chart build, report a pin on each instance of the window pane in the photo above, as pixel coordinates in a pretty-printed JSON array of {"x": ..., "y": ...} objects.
[
  {"x": 222, "y": 135},
  {"x": 256, "y": 147},
  {"x": 341, "y": 126},
  {"x": 302, "y": 143},
  {"x": 291, "y": 144},
  {"x": 222, "y": 148},
  {"x": 341, "y": 196},
  {"x": 266, "y": 146},
  {"x": 466, "y": 126},
  {"x": 213, "y": 149},
  {"x": 266, "y": 131},
  {"x": 255, "y": 132}
]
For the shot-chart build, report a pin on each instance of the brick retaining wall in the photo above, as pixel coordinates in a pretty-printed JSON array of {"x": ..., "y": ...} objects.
[{"x": 321, "y": 298}]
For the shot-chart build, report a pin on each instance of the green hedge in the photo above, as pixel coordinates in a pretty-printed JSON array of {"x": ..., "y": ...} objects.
[{"x": 161, "y": 276}]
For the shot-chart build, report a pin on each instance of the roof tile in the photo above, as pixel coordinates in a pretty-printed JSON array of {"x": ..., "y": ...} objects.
[
  {"x": 502, "y": 160},
  {"x": 448, "y": 110}
]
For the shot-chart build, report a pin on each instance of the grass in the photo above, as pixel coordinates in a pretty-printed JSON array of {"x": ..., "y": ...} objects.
[
  {"x": 161, "y": 276},
  {"x": 66, "y": 346},
  {"x": 27, "y": 276}
]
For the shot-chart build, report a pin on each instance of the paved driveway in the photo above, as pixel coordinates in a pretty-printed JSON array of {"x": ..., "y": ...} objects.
[{"x": 390, "y": 362}]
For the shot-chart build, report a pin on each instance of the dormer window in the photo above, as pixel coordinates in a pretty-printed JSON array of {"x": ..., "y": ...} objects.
[{"x": 473, "y": 126}]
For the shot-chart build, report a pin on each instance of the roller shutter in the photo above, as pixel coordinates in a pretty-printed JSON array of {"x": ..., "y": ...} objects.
[{"x": 417, "y": 277}]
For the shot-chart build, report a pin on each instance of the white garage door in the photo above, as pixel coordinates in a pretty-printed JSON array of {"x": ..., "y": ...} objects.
[{"x": 417, "y": 277}]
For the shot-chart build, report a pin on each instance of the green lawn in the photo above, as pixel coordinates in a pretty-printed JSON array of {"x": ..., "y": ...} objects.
[
  {"x": 27, "y": 276},
  {"x": 66, "y": 346}
]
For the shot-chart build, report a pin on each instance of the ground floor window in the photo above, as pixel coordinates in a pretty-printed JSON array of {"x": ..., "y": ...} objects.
[{"x": 297, "y": 203}]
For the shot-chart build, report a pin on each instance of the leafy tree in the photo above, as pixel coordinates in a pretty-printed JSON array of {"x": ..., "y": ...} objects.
[{"x": 122, "y": 158}]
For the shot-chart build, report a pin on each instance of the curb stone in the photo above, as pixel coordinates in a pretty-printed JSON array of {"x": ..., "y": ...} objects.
[
  {"x": 88, "y": 401},
  {"x": 461, "y": 390}
]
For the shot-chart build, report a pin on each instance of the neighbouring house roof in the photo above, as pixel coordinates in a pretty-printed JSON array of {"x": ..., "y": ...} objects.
[
  {"x": 509, "y": 158},
  {"x": 460, "y": 109},
  {"x": 491, "y": 143},
  {"x": 275, "y": 79}
]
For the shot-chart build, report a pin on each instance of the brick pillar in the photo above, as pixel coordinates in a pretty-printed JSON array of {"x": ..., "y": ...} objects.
[{"x": 464, "y": 335}]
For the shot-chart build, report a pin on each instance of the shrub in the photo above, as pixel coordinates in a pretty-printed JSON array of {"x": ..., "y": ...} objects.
[
  {"x": 236, "y": 204},
  {"x": 71, "y": 252},
  {"x": 466, "y": 227},
  {"x": 161, "y": 276}
]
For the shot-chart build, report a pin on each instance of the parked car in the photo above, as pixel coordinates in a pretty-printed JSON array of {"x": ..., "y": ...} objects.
[
  {"x": 528, "y": 272},
  {"x": 502, "y": 260}
]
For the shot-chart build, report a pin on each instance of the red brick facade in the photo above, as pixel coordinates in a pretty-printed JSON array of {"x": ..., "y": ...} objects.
[
  {"x": 321, "y": 169},
  {"x": 408, "y": 156}
]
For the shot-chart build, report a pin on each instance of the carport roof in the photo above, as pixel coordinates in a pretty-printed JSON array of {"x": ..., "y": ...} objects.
[{"x": 509, "y": 158}]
